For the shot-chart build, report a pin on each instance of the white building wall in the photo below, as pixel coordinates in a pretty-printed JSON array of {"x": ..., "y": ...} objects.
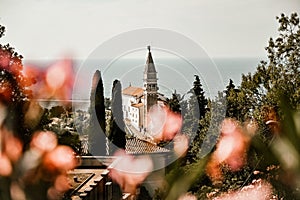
[
  {"x": 131, "y": 113},
  {"x": 135, "y": 117},
  {"x": 126, "y": 106}
]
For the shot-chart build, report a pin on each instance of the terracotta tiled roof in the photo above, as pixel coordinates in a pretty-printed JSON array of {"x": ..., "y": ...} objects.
[
  {"x": 133, "y": 91},
  {"x": 138, "y": 146},
  {"x": 137, "y": 105}
]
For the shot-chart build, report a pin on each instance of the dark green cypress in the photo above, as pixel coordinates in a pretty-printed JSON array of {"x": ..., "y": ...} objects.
[
  {"x": 97, "y": 136},
  {"x": 117, "y": 125}
]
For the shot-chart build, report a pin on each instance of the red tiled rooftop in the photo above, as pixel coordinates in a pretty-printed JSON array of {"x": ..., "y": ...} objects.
[
  {"x": 133, "y": 91},
  {"x": 137, "y": 105},
  {"x": 138, "y": 146}
]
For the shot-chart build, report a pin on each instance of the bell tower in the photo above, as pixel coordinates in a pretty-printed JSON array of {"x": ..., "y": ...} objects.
[{"x": 150, "y": 82}]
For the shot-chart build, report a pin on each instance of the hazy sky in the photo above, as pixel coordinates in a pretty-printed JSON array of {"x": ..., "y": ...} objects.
[{"x": 42, "y": 29}]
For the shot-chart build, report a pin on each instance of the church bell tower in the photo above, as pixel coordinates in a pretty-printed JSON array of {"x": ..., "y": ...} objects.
[{"x": 150, "y": 82}]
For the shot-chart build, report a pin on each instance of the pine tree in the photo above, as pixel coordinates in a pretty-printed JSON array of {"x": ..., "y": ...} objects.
[
  {"x": 97, "y": 136},
  {"x": 198, "y": 101},
  {"x": 229, "y": 87},
  {"x": 232, "y": 100},
  {"x": 174, "y": 103},
  {"x": 197, "y": 107},
  {"x": 195, "y": 122},
  {"x": 117, "y": 125}
]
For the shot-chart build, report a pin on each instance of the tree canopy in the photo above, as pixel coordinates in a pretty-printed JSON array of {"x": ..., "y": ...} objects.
[
  {"x": 279, "y": 75},
  {"x": 14, "y": 90}
]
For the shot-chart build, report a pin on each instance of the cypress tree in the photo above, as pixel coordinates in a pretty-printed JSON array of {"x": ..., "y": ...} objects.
[
  {"x": 117, "y": 125},
  {"x": 97, "y": 134},
  {"x": 99, "y": 103}
]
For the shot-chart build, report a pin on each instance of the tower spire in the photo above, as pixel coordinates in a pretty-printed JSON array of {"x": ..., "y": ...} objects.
[
  {"x": 150, "y": 86},
  {"x": 150, "y": 59},
  {"x": 150, "y": 81}
]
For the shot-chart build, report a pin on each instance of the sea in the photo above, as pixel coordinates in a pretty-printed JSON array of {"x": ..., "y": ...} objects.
[{"x": 174, "y": 75}]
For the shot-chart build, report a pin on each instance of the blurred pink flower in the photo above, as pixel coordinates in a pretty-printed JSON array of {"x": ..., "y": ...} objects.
[
  {"x": 181, "y": 144},
  {"x": 6, "y": 167},
  {"x": 129, "y": 171},
  {"x": 13, "y": 148},
  {"x": 44, "y": 141},
  {"x": 60, "y": 78},
  {"x": 163, "y": 124},
  {"x": 10, "y": 146},
  {"x": 56, "y": 82},
  {"x": 5, "y": 57},
  {"x": 231, "y": 149},
  {"x": 53, "y": 194},
  {"x": 258, "y": 190},
  {"x": 62, "y": 183},
  {"x": 187, "y": 196},
  {"x": 251, "y": 127},
  {"x": 5, "y": 91},
  {"x": 60, "y": 159},
  {"x": 45, "y": 159},
  {"x": 17, "y": 192}
]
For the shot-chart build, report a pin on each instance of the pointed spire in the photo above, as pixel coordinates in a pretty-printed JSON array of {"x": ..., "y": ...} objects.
[{"x": 149, "y": 59}]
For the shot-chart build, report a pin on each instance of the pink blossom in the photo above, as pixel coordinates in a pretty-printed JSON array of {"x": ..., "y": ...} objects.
[
  {"x": 259, "y": 190},
  {"x": 163, "y": 124},
  {"x": 187, "y": 196},
  {"x": 6, "y": 167},
  {"x": 231, "y": 149},
  {"x": 61, "y": 159},
  {"x": 56, "y": 82},
  {"x": 129, "y": 171},
  {"x": 181, "y": 144},
  {"x": 44, "y": 141}
]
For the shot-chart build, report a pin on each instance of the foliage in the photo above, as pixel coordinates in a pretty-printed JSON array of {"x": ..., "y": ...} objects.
[
  {"x": 81, "y": 122},
  {"x": 195, "y": 123},
  {"x": 180, "y": 179},
  {"x": 198, "y": 101},
  {"x": 63, "y": 126},
  {"x": 107, "y": 103},
  {"x": 31, "y": 164},
  {"x": 2, "y": 31},
  {"x": 56, "y": 111},
  {"x": 280, "y": 74},
  {"x": 233, "y": 109},
  {"x": 14, "y": 91},
  {"x": 266, "y": 161},
  {"x": 117, "y": 126},
  {"x": 70, "y": 139},
  {"x": 174, "y": 103},
  {"x": 97, "y": 135},
  {"x": 270, "y": 96}
]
